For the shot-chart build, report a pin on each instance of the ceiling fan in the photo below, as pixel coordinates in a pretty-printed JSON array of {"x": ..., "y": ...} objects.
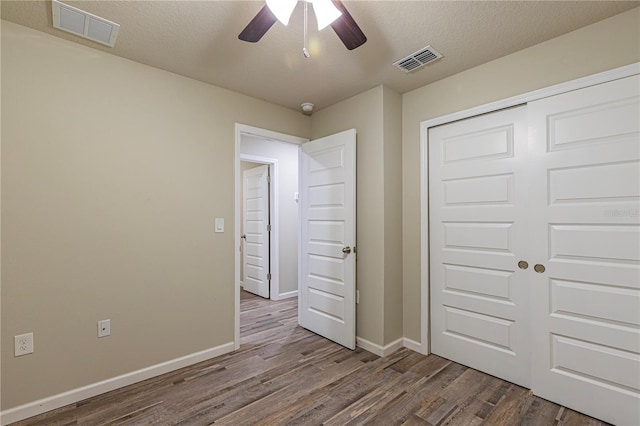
[{"x": 328, "y": 12}]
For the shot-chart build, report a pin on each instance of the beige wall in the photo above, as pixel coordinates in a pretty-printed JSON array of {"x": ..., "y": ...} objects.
[
  {"x": 608, "y": 44},
  {"x": 112, "y": 175},
  {"x": 376, "y": 116},
  {"x": 1, "y": 313},
  {"x": 392, "y": 122}
]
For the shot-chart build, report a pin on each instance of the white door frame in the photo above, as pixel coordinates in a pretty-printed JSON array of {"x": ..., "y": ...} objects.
[
  {"x": 580, "y": 83},
  {"x": 242, "y": 129}
]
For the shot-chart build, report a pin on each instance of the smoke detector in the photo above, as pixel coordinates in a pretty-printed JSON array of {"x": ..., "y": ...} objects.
[
  {"x": 307, "y": 108},
  {"x": 84, "y": 24}
]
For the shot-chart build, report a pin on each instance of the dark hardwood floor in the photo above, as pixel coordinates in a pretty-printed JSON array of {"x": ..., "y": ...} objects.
[{"x": 283, "y": 374}]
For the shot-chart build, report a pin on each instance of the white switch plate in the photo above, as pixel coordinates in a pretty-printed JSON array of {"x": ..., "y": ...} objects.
[
  {"x": 23, "y": 344},
  {"x": 104, "y": 328},
  {"x": 219, "y": 224}
]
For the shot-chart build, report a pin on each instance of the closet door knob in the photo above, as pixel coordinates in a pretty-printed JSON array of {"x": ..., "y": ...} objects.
[
  {"x": 539, "y": 268},
  {"x": 523, "y": 265},
  {"x": 346, "y": 250}
]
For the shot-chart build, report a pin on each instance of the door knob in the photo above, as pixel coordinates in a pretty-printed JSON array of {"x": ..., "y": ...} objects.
[
  {"x": 243, "y": 236},
  {"x": 539, "y": 268},
  {"x": 523, "y": 265},
  {"x": 346, "y": 250}
]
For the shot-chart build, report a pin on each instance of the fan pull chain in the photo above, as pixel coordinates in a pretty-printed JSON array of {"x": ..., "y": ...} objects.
[{"x": 305, "y": 51}]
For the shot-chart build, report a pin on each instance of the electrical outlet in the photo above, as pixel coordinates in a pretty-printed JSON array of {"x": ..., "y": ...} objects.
[
  {"x": 23, "y": 344},
  {"x": 104, "y": 328}
]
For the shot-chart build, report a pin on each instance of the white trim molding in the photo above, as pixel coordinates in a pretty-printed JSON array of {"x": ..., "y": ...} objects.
[
  {"x": 412, "y": 345},
  {"x": 60, "y": 400},
  {"x": 382, "y": 351},
  {"x": 580, "y": 83},
  {"x": 269, "y": 134},
  {"x": 285, "y": 295}
]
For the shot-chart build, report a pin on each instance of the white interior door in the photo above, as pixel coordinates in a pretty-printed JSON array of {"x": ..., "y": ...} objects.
[
  {"x": 477, "y": 205},
  {"x": 585, "y": 215},
  {"x": 255, "y": 207},
  {"x": 327, "y": 237}
]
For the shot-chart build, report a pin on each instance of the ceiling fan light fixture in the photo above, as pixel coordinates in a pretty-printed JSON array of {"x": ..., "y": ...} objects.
[
  {"x": 326, "y": 12},
  {"x": 282, "y": 9}
]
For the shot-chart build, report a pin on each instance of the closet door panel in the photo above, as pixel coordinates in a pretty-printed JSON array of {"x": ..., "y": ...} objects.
[
  {"x": 477, "y": 236},
  {"x": 584, "y": 163}
]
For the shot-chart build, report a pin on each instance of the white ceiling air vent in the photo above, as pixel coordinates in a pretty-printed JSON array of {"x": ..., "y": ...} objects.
[
  {"x": 84, "y": 24},
  {"x": 418, "y": 59}
]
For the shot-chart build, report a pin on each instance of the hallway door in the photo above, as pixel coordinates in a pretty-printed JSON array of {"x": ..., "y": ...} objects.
[
  {"x": 328, "y": 221},
  {"x": 255, "y": 253}
]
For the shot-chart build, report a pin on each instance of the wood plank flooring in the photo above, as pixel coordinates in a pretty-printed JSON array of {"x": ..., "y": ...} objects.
[{"x": 284, "y": 374}]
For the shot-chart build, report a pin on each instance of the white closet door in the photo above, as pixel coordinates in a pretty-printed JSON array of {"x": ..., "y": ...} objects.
[
  {"x": 585, "y": 220},
  {"x": 477, "y": 205}
]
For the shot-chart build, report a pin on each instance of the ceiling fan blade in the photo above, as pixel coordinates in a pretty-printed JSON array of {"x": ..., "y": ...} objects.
[
  {"x": 258, "y": 26},
  {"x": 347, "y": 29}
]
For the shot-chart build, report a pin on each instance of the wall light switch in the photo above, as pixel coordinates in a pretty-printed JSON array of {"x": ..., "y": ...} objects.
[{"x": 219, "y": 224}]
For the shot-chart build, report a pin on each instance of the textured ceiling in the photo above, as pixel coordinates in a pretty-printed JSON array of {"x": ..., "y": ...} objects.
[{"x": 198, "y": 39}]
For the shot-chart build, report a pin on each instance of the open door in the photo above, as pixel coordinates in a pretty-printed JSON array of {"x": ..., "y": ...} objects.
[
  {"x": 255, "y": 207},
  {"x": 327, "y": 285}
]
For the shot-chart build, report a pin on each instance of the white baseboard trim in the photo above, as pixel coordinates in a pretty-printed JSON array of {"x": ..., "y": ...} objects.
[
  {"x": 60, "y": 400},
  {"x": 392, "y": 347},
  {"x": 413, "y": 345},
  {"x": 382, "y": 351},
  {"x": 287, "y": 295}
]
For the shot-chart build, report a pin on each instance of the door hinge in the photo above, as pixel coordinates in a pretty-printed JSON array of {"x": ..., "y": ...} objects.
[
  {"x": 268, "y": 179},
  {"x": 269, "y": 228},
  {"x": 268, "y": 277}
]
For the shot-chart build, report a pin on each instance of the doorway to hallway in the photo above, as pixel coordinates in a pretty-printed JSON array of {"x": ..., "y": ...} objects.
[{"x": 267, "y": 235}]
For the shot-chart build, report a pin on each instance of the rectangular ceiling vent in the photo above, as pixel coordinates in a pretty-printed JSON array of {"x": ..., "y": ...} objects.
[
  {"x": 84, "y": 24},
  {"x": 418, "y": 59}
]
